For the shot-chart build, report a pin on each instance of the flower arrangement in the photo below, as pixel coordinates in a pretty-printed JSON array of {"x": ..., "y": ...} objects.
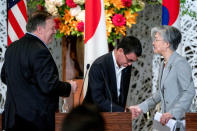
[
  {"x": 70, "y": 19},
  {"x": 70, "y": 16},
  {"x": 119, "y": 15}
]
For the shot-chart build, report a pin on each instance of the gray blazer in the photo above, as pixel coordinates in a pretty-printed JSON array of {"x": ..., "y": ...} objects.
[{"x": 176, "y": 88}]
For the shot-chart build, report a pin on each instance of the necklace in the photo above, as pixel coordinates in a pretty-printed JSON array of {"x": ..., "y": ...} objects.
[{"x": 165, "y": 62}]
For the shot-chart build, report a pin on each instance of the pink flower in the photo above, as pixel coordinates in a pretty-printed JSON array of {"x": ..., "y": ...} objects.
[
  {"x": 80, "y": 26},
  {"x": 118, "y": 20},
  {"x": 126, "y": 3},
  {"x": 70, "y": 3}
]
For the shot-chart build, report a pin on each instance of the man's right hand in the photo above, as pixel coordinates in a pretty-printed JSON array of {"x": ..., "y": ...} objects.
[
  {"x": 73, "y": 86},
  {"x": 135, "y": 110}
]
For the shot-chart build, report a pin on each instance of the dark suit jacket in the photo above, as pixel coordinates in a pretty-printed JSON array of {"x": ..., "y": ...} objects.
[
  {"x": 102, "y": 87},
  {"x": 33, "y": 86}
]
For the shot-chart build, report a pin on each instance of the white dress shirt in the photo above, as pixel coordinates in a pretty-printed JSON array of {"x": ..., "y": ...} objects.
[{"x": 118, "y": 71}]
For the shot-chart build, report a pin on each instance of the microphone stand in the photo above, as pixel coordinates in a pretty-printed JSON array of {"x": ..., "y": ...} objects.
[{"x": 87, "y": 67}]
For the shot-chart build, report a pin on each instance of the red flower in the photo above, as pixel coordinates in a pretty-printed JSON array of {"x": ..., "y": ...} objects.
[
  {"x": 70, "y": 3},
  {"x": 40, "y": 7},
  {"x": 57, "y": 23},
  {"x": 80, "y": 26},
  {"x": 126, "y": 3},
  {"x": 118, "y": 20}
]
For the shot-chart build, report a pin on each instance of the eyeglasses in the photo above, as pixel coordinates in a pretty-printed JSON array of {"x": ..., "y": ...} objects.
[
  {"x": 128, "y": 60},
  {"x": 155, "y": 40}
]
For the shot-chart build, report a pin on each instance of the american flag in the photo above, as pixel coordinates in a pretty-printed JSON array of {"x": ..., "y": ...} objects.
[{"x": 17, "y": 19}]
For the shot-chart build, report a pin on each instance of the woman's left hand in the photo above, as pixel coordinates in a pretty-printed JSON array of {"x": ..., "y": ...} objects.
[{"x": 165, "y": 118}]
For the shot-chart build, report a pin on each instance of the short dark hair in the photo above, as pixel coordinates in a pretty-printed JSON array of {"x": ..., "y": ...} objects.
[
  {"x": 37, "y": 18},
  {"x": 130, "y": 44},
  {"x": 85, "y": 117}
]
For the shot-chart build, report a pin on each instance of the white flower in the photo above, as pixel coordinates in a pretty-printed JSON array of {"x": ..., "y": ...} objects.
[
  {"x": 81, "y": 16},
  {"x": 81, "y": 2},
  {"x": 75, "y": 11},
  {"x": 58, "y": 3},
  {"x": 51, "y": 8},
  {"x": 54, "y": 2}
]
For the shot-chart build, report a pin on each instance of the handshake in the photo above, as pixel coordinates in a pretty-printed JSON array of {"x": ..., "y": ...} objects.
[
  {"x": 73, "y": 86},
  {"x": 135, "y": 110}
]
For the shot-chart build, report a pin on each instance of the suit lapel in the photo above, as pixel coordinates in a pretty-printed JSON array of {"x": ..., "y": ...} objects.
[
  {"x": 122, "y": 86},
  {"x": 165, "y": 74},
  {"x": 168, "y": 67},
  {"x": 160, "y": 77},
  {"x": 160, "y": 73},
  {"x": 112, "y": 75}
]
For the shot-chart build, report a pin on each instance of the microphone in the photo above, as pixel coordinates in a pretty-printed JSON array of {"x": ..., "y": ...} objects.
[
  {"x": 87, "y": 67},
  {"x": 108, "y": 91}
]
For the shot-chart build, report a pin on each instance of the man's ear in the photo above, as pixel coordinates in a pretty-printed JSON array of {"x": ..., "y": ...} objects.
[
  {"x": 39, "y": 29},
  {"x": 120, "y": 50}
]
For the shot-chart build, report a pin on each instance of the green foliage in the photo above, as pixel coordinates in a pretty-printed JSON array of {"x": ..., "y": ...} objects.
[
  {"x": 153, "y": 2},
  {"x": 186, "y": 10},
  {"x": 59, "y": 35},
  {"x": 182, "y": 1},
  {"x": 62, "y": 9},
  {"x": 113, "y": 37},
  {"x": 33, "y": 3}
]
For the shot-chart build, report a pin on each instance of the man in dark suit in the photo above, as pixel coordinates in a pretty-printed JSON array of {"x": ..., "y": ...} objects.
[
  {"x": 32, "y": 79},
  {"x": 109, "y": 76}
]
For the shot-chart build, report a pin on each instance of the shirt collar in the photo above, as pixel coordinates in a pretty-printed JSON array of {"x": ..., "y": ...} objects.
[{"x": 115, "y": 63}]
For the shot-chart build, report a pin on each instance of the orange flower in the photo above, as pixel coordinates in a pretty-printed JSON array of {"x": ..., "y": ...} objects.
[
  {"x": 110, "y": 12},
  {"x": 121, "y": 29},
  {"x": 130, "y": 18},
  {"x": 108, "y": 18},
  {"x": 73, "y": 24},
  {"x": 117, "y": 4},
  {"x": 67, "y": 17},
  {"x": 109, "y": 26},
  {"x": 106, "y": 2},
  {"x": 64, "y": 29}
]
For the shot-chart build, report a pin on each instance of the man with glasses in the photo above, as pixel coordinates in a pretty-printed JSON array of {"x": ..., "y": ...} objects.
[{"x": 109, "y": 76}]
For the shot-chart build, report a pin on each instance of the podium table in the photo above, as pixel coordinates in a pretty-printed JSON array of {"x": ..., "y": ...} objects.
[
  {"x": 115, "y": 121},
  {"x": 191, "y": 121}
]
